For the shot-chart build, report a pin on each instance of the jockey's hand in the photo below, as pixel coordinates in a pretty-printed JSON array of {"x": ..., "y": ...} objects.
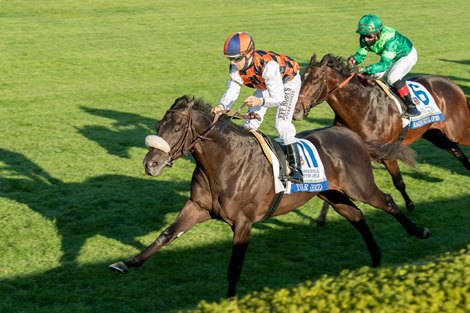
[
  {"x": 351, "y": 61},
  {"x": 358, "y": 70},
  {"x": 219, "y": 109},
  {"x": 253, "y": 116},
  {"x": 253, "y": 101}
]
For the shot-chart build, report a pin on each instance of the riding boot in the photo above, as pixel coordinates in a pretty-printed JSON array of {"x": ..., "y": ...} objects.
[
  {"x": 294, "y": 163},
  {"x": 405, "y": 95},
  {"x": 411, "y": 109}
]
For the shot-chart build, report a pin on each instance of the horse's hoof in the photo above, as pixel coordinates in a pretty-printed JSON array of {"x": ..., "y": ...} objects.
[
  {"x": 410, "y": 206},
  {"x": 426, "y": 233},
  {"x": 119, "y": 267},
  {"x": 377, "y": 260}
]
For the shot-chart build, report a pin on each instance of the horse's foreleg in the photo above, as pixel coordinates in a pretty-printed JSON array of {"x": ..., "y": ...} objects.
[
  {"x": 440, "y": 140},
  {"x": 190, "y": 215},
  {"x": 241, "y": 235},
  {"x": 346, "y": 208},
  {"x": 394, "y": 170}
]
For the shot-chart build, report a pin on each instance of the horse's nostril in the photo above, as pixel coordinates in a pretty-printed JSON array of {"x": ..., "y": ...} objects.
[{"x": 152, "y": 164}]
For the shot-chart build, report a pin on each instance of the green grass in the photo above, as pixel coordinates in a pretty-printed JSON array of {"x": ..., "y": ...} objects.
[{"x": 83, "y": 83}]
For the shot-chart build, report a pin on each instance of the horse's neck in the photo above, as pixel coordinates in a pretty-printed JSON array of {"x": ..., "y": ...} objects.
[
  {"x": 222, "y": 150},
  {"x": 231, "y": 148},
  {"x": 351, "y": 99},
  {"x": 358, "y": 107}
]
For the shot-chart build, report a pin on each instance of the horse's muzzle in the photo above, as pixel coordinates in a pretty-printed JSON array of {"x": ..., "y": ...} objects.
[{"x": 155, "y": 168}]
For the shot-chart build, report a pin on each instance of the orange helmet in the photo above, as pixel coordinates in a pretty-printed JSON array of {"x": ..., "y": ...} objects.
[{"x": 238, "y": 44}]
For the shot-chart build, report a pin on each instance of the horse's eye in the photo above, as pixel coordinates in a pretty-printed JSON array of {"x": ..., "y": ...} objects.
[{"x": 177, "y": 128}]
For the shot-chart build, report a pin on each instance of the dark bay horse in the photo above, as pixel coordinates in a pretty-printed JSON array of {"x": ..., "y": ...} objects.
[
  {"x": 369, "y": 112},
  {"x": 233, "y": 180}
]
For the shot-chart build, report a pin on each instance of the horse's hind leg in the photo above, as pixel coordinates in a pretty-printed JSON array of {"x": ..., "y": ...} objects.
[
  {"x": 385, "y": 202},
  {"x": 440, "y": 140},
  {"x": 321, "y": 219},
  {"x": 346, "y": 208},
  {"x": 190, "y": 215},
  {"x": 394, "y": 170}
]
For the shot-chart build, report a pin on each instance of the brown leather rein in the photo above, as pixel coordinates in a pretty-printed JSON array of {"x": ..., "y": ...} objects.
[{"x": 324, "y": 85}]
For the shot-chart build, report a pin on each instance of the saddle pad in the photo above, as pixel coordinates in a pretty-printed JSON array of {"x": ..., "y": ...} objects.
[
  {"x": 424, "y": 101},
  {"x": 312, "y": 170}
]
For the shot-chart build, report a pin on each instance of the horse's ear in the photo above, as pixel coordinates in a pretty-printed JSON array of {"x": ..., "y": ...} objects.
[
  {"x": 313, "y": 59},
  {"x": 191, "y": 102},
  {"x": 326, "y": 58}
]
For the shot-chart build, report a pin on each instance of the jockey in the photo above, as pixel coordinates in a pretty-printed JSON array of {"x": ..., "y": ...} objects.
[
  {"x": 277, "y": 82},
  {"x": 397, "y": 56}
]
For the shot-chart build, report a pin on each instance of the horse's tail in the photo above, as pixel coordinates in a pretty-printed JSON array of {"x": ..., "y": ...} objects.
[{"x": 391, "y": 151}]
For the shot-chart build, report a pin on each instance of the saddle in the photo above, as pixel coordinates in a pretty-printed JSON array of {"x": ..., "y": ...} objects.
[
  {"x": 388, "y": 90},
  {"x": 367, "y": 81},
  {"x": 278, "y": 150}
]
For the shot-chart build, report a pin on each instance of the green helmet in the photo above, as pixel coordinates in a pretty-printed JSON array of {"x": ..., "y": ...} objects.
[{"x": 369, "y": 24}]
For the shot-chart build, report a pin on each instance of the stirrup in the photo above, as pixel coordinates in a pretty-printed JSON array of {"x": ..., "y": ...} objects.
[
  {"x": 413, "y": 112},
  {"x": 296, "y": 177}
]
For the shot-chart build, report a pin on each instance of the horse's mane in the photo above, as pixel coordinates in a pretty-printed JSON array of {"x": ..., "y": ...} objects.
[
  {"x": 335, "y": 62},
  {"x": 199, "y": 105}
]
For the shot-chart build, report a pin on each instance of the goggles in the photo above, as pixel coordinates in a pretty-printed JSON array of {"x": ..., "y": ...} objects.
[{"x": 236, "y": 59}]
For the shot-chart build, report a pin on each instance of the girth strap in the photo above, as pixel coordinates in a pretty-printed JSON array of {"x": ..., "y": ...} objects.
[{"x": 273, "y": 205}]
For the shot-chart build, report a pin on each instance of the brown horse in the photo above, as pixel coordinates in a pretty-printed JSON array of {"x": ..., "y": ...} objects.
[
  {"x": 368, "y": 111},
  {"x": 233, "y": 180}
]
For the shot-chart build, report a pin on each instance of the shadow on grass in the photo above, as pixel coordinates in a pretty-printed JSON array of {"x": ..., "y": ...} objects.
[
  {"x": 115, "y": 206},
  {"x": 283, "y": 254},
  {"x": 129, "y": 130},
  {"x": 426, "y": 152}
]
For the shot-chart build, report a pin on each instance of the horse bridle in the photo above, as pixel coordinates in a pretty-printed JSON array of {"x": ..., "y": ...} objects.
[
  {"x": 317, "y": 100},
  {"x": 179, "y": 149},
  {"x": 316, "y": 96}
]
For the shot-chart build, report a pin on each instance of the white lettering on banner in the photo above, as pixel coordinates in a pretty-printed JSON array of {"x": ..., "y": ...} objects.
[
  {"x": 316, "y": 187},
  {"x": 426, "y": 120},
  {"x": 302, "y": 187},
  {"x": 309, "y": 187}
]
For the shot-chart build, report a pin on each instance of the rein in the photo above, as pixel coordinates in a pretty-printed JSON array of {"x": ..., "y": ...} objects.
[
  {"x": 322, "y": 88},
  {"x": 179, "y": 149}
]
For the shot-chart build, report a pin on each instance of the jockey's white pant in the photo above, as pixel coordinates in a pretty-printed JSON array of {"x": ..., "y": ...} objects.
[
  {"x": 400, "y": 68},
  {"x": 285, "y": 111}
]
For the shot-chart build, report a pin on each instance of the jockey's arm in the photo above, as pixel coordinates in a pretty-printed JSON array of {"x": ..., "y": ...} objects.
[
  {"x": 233, "y": 90},
  {"x": 383, "y": 65},
  {"x": 274, "y": 85},
  {"x": 360, "y": 55}
]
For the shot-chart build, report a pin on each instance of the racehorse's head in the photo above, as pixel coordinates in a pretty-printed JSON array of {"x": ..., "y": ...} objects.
[
  {"x": 178, "y": 132},
  {"x": 172, "y": 132},
  {"x": 312, "y": 88},
  {"x": 316, "y": 80}
]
